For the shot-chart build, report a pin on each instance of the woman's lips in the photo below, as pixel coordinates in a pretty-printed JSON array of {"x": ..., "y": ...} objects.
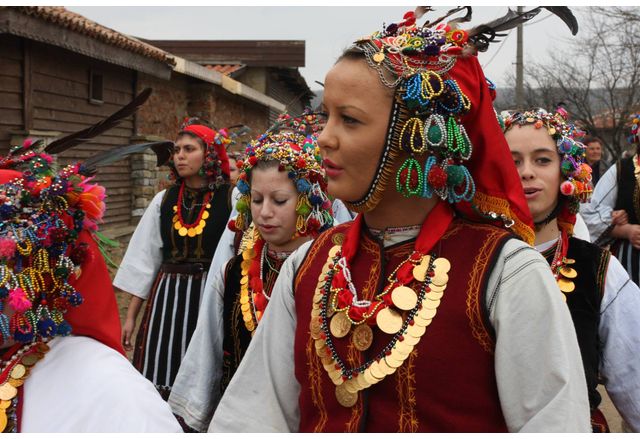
[
  {"x": 332, "y": 170},
  {"x": 266, "y": 228},
  {"x": 530, "y": 193}
]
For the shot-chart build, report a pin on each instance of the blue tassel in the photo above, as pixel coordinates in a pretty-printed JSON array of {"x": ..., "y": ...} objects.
[{"x": 303, "y": 185}]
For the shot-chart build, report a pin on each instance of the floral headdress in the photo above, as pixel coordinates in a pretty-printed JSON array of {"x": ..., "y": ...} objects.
[
  {"x": 42, "y": 213},
  {"x": 298, "y": 155},
  {"x": 576, "y": 186},
  {"x": 634, "y": 136},
  {"x": 308, "y": 123},
  {"x": 441, "y": 113},
  {"x": 216, "y": 160}
]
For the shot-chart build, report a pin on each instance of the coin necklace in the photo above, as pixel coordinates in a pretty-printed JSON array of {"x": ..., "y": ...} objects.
[
  {"x": 13, "y": 375},
  {"x": 196, "y": 227},
  {"x": 404, "y": 313},
  {"x": 560, "y": 266},
  {"x": 253, "y": 300}
]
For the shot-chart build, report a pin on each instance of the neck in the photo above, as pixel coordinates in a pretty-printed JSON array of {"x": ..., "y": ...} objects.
[
  {"x": 195, "y": 182},
  {"x": 547, "y": 232},
  {"x": 288, "y": 246},
  {"x": 394, "y": 210}
]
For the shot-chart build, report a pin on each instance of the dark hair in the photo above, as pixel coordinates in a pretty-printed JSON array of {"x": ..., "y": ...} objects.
[
  {"x": 591, "y": 139},
  {"x": 193, "y": 136}
]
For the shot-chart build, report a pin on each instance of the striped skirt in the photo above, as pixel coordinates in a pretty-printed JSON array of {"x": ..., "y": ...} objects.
[
  {"x": 629, "y": 257},
  {"x": 168, "y": 323}
]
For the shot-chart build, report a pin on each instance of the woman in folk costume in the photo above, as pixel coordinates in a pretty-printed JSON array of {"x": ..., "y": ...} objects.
[
  {"x": 63, "y": 367},
  {"x": 604, "y": 303},
  {"x": 613, "y": 216},
  {"x": 425, "y": 313},
  {"x": 283, "y": 199},
  {"x": 169, "y": 253}
]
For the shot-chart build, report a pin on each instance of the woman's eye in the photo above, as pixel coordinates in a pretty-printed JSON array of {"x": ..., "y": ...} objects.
[
  {"x": 349, "y": 120},
  {"x": 256, "y": 200},
  {"x": 544, "y": 160},
  {"x": 517, "y": 162},
  {"x": 280, "y": 202}
]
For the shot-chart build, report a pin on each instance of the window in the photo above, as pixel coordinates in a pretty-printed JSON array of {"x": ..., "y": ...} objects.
[{"x": 96, "y": 87}]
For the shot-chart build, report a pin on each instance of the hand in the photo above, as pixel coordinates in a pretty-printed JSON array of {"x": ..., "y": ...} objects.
[
  {"x": 127, "y": 331},
  {"x": 633, "y": 235},
  {"x": 619, "y": 217}
]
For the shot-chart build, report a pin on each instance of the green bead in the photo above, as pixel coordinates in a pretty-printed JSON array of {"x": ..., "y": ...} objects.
[
  {"x": 434, "y": 134},
  {"x": 455, "y": 175}
]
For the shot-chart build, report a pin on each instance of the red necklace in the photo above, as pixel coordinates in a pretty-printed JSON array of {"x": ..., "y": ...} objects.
[{"x": 196, "y": 227}]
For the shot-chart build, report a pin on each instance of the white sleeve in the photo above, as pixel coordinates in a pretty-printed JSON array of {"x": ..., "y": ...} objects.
[
  {"x": 580, "y": 229},
  {"x": 340, "y": 213},
  {"x": 538, "y": 365},
  {"x": 263, "y": 394},
  {"x": 196, "y": 389},
  {"x": 597, "y": 213},
  {"x": 620, "y": 341},
  {"x": 83, "y": 386},
  {"x": 224, "y": 252},
  {"x": 143, "y": 258}
]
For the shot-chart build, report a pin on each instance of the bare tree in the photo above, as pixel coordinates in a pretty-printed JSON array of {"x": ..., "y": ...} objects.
[{"x": 598, "y": 79}]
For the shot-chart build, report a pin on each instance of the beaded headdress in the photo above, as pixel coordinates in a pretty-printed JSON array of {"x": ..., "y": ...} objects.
[
  {"x": 441, "y": 114},
  {"x": 299, "y": 157},
  {"x": 634, "y": 136},
  {"x": 216, "y": 161},
  {"x": 576, "y": 185},
  {"x": 308, "y": 123},
  {"x": 42, "y": 213}
]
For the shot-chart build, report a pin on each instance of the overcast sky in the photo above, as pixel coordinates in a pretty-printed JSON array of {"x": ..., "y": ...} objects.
[{"x": 326, "y": 30}]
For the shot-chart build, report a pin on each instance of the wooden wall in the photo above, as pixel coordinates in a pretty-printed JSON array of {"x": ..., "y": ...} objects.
[{"x": 11, "y": 117}]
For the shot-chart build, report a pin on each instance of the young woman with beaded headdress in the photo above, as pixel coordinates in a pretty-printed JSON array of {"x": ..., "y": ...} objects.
[
  {"x": 283, "y": 205},
  {"x": 426, "y": 313},
  {"x": 170, "y": 252},
  {"x": 604, "y": 303}
]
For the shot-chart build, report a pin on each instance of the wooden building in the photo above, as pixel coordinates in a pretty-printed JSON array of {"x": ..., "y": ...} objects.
[{"x": 60, "y": 72}]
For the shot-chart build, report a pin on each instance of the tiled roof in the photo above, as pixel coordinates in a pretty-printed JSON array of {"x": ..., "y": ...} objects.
[
  {"x": 226, "y": 69},
  {"x": 70, "y": 20}
]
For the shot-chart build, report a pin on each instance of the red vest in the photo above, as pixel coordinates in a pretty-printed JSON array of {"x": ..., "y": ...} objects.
[{"x": 448, "y": 382}]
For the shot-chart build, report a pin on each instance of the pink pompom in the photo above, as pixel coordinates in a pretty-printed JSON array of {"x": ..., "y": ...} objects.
[
  {"x": 7, "y": 248},
  {"x": 567, "y": 188},
  {"x": 18, "y": 300}
]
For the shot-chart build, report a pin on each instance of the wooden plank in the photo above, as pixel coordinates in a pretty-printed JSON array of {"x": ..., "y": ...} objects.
[
  {"x": 81, "y": 119},
  {"x": 27, "y": 90},
  {"x": 10, "y": 47},
  {"x": 10, "y": 67},
  {"x": 11, "y": 100},
  {"x": 64, "y": 86},
  {"x": 10, "y": 83},
  {"x": 11, "y": 117},
  {"x": 55, "y": 101}
]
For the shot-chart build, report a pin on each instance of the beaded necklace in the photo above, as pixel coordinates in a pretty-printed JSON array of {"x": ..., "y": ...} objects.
[
  {"x": 196, "y": 227},
  {"x": 398, "y": 310}
]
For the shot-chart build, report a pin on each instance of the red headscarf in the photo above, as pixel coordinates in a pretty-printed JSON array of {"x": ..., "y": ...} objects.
[{"x": 209, "y": 137}]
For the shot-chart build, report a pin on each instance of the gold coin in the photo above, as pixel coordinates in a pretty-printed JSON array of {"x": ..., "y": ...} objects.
[
  {"x": 315, "y": 328},
  {"x": 403, "y": 347},
  {"x": 338, "y": 238},
  {"x": 43, "y": 347},
  {"x": 442, "y": 264},
  {"x": 205, "y": 215},
  {"x": 7, "y": 391},
  {"x": 376, "y": 372},
  {"x": 416, "y": 330},
  {"x": 434, "y": 295},
  {"x": 569, "y": 261},
  {"x": 199, "y": 230},
  {"x": 330, "y": 311},
  {"x": 385, "y": 368},
  {"x": 191, "y": 232},
  {"x": 389, "y": 321},
  {"x": 4, "y": 405},
  {"x": 392, "y": 361},
  {"x": 18, "y": 371},
  {"x": 568, "y": 272},
  {"x": 426, "y": 313},
  {"x": 368, "y": 377},
  {"x": 325, "y": 357},
  {"x": 404, "y": 298},
  {"x": 317, "y": 298},
  {"x": 339, "y": 325},
  {"x": 420, "y": 272},
  {"x": 29, "y": 360},
  {"x": 320, "y": 344},
  {"x": 378, "y": 57},
  {"x": 430, "y": 304},
  {"x": 552, "y": 131},
  {"x": 437, "y": 288},
  {"x": 175, "y": 208},
  {"x": 399, "y": 355},
  {"x": 315, "y": 312},
  {"x": 15, "y": 383},
  {"x": 245, "y": 265},
  {"x": 202, "y": 223},
  {"x": 244, "y": 299},
  {"x": 174, "y": 219},
  {"x": 409, "y": 340},
  {"x": 3, "y": 420},
  {"x": 344, "y": 397},
  {"x": 245, "y": 307},
  {"x": 177, "y": 225},
  {"x": 422, "y": 321},
  {"x": 334, "y": 251},
  {"x": 351, "y": 386},
  {"x": 336, "y": 378},
  {"x": 244, "y": 280},
  {"x": 183, "y": 231},
  {"x": 564, "y": 297},
  {"x": 362, "y": 382},
  {"x": 440, "y": 280},
  {"x": 250, "y": 326},
  {"x": 208, "y": 206},
  {"x": 362, "y": 337},
  {"x": 566, "y": 286},
  {"x": 247, "y": 317}
]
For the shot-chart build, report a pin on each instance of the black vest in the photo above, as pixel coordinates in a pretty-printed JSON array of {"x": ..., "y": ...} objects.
[
  {"x": 200, "y": 248},
  {"x": 584, "y": 305},
  {"x": 628, "y": 197}
]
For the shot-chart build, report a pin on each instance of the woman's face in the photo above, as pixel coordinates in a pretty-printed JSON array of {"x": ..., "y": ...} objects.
[
  {"x": 273, "y": 207},
  {"x": 188, "y": 156},
  {"x": 234, "y": 172},
  {"x": 357, "y": 106},
  {"x": 536, "y": 157}
]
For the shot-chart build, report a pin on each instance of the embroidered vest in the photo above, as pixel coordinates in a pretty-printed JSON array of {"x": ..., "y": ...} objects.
[
  {"x": 628, "y": 197},
  {"x": 200, "y": 248},
  {"x": 584, "y": 305},
  {"x": 448, "y": 382}
]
